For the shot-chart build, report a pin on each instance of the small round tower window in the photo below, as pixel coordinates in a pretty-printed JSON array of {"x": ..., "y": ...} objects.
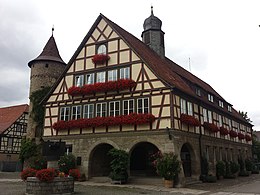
[
  {"x": 46, "y": 65},
  {"x": 102, "y": 49}
]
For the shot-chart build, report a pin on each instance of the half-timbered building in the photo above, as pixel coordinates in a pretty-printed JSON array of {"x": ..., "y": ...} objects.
[
  {"x": 13, "y": 124},
  {"x": 120, "y": 92}
]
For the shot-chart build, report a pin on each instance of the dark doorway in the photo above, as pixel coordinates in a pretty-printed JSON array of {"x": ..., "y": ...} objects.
[
  {"x": 186, "y": 160},
  {"x": 100, "y": 161},
  {"x": 140, "y": 161}
]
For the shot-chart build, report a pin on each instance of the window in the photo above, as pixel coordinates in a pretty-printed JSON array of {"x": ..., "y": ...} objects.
[
  {"x": 64, "y": 113},
  {"x": 221, "y": 104},
  {"x": 190, "y": 110},
  {"x": 210, "y": 97},
  {"x": 143, "y": 105},
  {"x": 9, "y": 143},
  {"x": 198, "y": 92},
  {"x": 76, "y": 112},
  {"x": 209, "y": 116},
  {"x": 88, "y": 111},
  {"x": 79, "y": 80},
  {"x": 101, "y": 77},
  {"x": 220, "y": 120},
  {"x": 102, "y": 49},
  {"x": 101, "y": 110},
  {"x": 205, "y": 115},
  {"x": 114, "y": 108},
  {"x": 183, "y": 106},
  {"x": 128, "y": 106},
  {"x": 112, "y": 75},
  {"x": 90, "y": 78},
  {"x": 230, "y": 124},
  {"x": 125, "y": 73},
  {"x": 229, "y": 108}
]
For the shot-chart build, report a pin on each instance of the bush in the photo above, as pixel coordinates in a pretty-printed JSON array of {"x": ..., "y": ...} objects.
[
  {"x": 28, "y": 149},
  {"x": 249, "y": 165},
  {"x": 46, "y": 175},
  {"x": 119, "y": 165},
  {"x": 234, "y": 167},
  {"x": 66, "y": 163},
  {"x": 29, "y": 172},
  {"x": 220, "y": 169},
  {"x": 210, "y": 179},
  {"x": 38, "y": 162},
  {"x": 75, "y": 174},
  {"x": 243, "y": 173}
]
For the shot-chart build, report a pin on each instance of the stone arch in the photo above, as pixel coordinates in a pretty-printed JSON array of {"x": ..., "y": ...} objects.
[
  {"x": 188, "y": 159},
  {"x": 99, "y": 160},
  {"x": 140, "y": 162}
]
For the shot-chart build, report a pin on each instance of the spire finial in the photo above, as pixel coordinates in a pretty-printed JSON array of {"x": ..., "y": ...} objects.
[
  {"x": 151, "y": 10},
  {"x": 52, "y": 30}
]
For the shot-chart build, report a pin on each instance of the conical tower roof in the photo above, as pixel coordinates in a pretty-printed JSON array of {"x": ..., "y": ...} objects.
[
  {"x": 50, "y": 53},
  {"x": 152, "y": 22}
]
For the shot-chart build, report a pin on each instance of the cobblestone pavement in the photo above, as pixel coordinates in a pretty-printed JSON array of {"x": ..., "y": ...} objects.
[{"x": 11, "y": 184}]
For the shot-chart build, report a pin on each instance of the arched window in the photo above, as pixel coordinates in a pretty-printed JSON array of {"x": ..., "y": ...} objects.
[{"x": 102, "y": 49}]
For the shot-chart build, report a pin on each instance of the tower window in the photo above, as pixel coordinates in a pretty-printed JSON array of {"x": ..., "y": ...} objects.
[{"x": 46, "y": 65}]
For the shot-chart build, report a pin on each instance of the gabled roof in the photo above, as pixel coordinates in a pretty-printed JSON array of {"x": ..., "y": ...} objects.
[
  {"x": 8, "y": 115},
  {"x": 50, "y": 53},
  {"x": 166, "y": 70}
]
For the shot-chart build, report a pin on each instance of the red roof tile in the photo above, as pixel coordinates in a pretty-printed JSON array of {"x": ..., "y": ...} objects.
[{"x": 8, "y": 115}]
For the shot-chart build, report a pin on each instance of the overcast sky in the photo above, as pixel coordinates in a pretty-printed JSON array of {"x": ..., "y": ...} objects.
[{"x": 221, "y": 38}]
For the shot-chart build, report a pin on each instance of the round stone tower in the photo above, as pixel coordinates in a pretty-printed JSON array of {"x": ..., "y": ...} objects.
[
  {"x": 152, "y": 35},
  {"x": 45, "y": 70}
]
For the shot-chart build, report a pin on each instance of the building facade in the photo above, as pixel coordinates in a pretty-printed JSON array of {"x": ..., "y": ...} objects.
[
  {"x": 13, "y": 125},
  {"x": 120, "y": 92}
]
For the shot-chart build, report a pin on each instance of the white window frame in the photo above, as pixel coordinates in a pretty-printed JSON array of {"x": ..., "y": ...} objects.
[
  {"x": 183, "y": 106},
  {"x": 229, "y": 108},
  {"x": 79, "y": 80},
  {"x": 76, "y": 112},
  {"x": 210, "y": 120},
  {"x": 126, "y": 106},
  {"x": 220, "y": 103},
  {"x": 210, "y": 97},
  {"x": 101, "y": 77},
  {"x": 102, "y": 49},
  {"x": 112, "y": 75},
  {"x": 88, "y": 111},
  {"x": 65, "y": 113},
  {"x": 220, "y": 122},
  {"x": 114, "y": 111},
  {"x": 190, "y": 108},
  {"x": 205, "y": 115},
  {"x": 230, "y": 124},
  {"x": 103, "y": 109},
  {"x": 125, "y": 73},
  {"x": 90, "y": 79},
  {"x": 141, "y": 108}
]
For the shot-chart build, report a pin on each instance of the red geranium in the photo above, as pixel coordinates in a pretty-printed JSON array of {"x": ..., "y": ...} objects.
[
  {"x": 211, "y": 127},
  {"x": 28, "y": 172},
  {"x": 233, "y": 133},
  {"x": 74, "y": 173},
  {"x": 131, "y": 119},
  {"x": 189, "y": 120},
  {"x": 241, "y": 136},
  {"x": 223, "y": 131},
  {"x": 121, "y": 84},
  {"x": 100, "y": 58},
  {"x": 46, "y": 175},
  {"x": 248, "y": 137}
]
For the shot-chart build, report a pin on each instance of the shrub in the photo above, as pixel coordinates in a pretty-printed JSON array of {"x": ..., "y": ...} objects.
[
  {"x": 38, "y": 162},
  {"x": 66, "y": 163},
  {"x": 204, "y": 166},
  {"x": 29, "y": 172},
  {"x": 210, "y": 179},
  {"x": 249, "y": 165},
  {"x": 46, "y": 175},
  {"x": 28, "y": 149},
  {"x": 234, "y": 167},
  {"x": 75, "y": 174},
  {"x": 220, "y": 169}
]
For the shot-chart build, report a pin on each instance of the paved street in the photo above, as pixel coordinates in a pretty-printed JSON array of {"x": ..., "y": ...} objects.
[{"x": 10, "y": 184}]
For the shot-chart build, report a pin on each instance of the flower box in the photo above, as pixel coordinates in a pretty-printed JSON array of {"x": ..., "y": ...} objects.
[
  {"x": 189, "y": 120},
  {"x": 241, "y": 136},
  {"x": 131, "y": 119},
  {"x": 100, "y": 58},
  {"x": 211, "y": 127},
  {"x": 121, "y": 84},
  {"x": 233, "y": 133},
  {"x": 223, "y": 131},
  {"x": 248, "y": 137}
]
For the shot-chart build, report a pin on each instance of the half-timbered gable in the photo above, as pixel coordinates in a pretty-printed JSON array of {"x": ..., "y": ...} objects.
[{"x": 13, "y": 125}]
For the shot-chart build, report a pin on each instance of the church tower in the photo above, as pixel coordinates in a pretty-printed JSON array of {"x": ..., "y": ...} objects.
[
  {"x": 45, "y": 70},
  {"x": 152, "y": 35}
]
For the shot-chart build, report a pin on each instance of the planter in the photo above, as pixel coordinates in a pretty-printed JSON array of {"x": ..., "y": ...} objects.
[
  {"x": 57, "y": 186},
  {"x": 168, "y": 183}
]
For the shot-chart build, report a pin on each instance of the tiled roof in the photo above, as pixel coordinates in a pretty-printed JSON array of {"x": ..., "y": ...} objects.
[
  {"x": 8, "y": 115},
  {"x": 50, "y": 52}
]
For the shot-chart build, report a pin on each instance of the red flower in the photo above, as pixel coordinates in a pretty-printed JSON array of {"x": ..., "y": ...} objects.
[
  {"x": 189, "y": 120},
  {"x": 121, "y": 84},
  {"x": 131, "y": 119},
  {"x": 100, "y": 58},
  {"x": 241, "y": 136},
  {"x": 233, "y": 133},
  {"x": 211, "y": 127},
  {"x": 46, "y": 175},
  {"x": 248, "y": 137},
  {"x": 74, "y": 173},
  {"x": 223, "y": 131},
  {"x": 29, "y": 172}
]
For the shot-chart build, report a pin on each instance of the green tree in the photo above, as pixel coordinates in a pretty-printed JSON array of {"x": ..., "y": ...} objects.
[
  {"x": 256, "y": 148},
  {"x": 28, "y": 149},
  {"x": 244, "y": 115}
]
